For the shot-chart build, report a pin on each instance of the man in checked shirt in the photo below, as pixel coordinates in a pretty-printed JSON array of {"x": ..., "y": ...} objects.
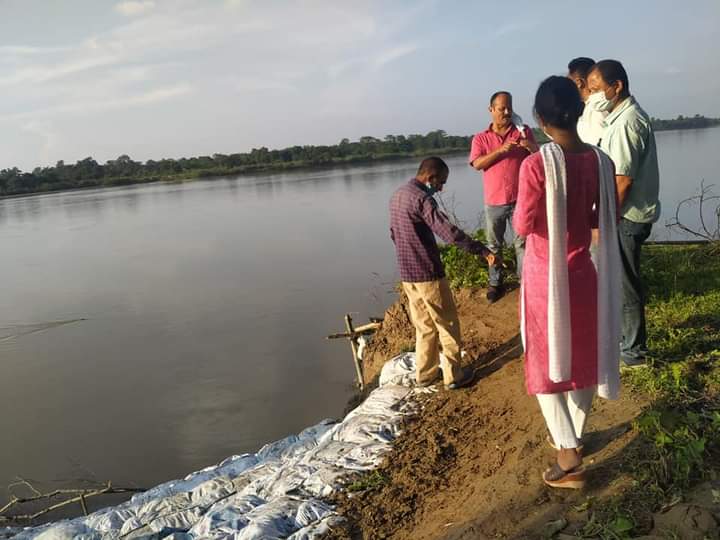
[{"x": 414, "y": 221}]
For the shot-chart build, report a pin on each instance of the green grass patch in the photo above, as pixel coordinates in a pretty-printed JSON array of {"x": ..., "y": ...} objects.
[
  {"x": 465, "y": 270},
  {"x": 371, "y": 480},
  {"x": 678, "y": 434}
]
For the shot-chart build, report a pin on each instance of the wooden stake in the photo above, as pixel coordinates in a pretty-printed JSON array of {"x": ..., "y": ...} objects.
[
  {"x": 369, "y": 327},
  {"x": 353, "y": 346},
  {"x": 83, "y": 505},
  {"x": 357, "y": 332}
]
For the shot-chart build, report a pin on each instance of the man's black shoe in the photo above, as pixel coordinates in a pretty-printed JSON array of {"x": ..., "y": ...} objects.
[
  {"x": 632, "y": 363},
  {"x": 467, "y": 378},
  {"x": 494, "y": 293}
]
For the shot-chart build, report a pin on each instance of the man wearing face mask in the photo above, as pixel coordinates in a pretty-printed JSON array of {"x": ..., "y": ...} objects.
[
  {"x": 415, "y": 219},
  {"x": 590, "y": 125},
  {"x": 629, "y": 140},
  {"x": 498, "y": 152}
]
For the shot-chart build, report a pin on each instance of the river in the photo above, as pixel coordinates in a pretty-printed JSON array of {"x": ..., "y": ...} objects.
[{"x": 194, "y": 314}]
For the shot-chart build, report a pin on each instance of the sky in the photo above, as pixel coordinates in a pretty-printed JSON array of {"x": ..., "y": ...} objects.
[{"x": 179, "y": 78}]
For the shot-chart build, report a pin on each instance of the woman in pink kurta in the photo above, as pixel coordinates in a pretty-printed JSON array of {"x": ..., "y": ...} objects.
[
  {"x": 566, "y": 404},
  {"x": 530, "y": 220}
]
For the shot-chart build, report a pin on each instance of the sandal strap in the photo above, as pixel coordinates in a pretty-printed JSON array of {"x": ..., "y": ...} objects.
[{"x": 556, "y": 472}]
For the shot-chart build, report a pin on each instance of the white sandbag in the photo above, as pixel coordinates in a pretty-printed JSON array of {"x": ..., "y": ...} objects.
[{"x": 276, "y": 493}]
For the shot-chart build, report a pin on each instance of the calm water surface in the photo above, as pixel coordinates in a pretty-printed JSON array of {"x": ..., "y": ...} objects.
[{"x": 204, "y": 308}]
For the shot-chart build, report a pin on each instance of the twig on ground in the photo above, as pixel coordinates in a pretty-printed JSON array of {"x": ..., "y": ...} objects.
[{"x": 72, "y": 496}]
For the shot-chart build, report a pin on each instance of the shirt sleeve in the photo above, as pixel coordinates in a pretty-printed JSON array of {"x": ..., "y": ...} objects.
[
  {"x": 625, "y": 147},
  {"x": 446, "y": 231},
  {"x": 531, "y": 193},
  {"x": 477, "y": 149}
]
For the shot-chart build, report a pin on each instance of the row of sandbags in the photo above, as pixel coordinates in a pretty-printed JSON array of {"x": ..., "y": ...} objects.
[{"x": 276, "y": 493}]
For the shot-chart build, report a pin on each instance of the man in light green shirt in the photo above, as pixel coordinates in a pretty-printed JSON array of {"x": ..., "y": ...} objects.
[{"x": 629, "y": 140}]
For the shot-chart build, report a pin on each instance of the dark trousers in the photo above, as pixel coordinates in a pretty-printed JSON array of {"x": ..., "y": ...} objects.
[
  {"x": 496, "y": 220},
  {"x": 634, "y": 335}
]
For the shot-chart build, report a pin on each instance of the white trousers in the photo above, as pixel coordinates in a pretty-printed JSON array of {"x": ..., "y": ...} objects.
[{"x": 565, "y": 415}]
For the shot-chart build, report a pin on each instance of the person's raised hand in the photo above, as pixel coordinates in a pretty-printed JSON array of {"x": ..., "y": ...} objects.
[{"x": 508, "y": 146}]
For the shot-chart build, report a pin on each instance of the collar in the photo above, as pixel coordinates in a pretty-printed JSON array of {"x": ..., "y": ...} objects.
[
  {"x": 419, "y": 184},
  {"x": 625, "y": 105},
  {"x": 509, "y": 132}
]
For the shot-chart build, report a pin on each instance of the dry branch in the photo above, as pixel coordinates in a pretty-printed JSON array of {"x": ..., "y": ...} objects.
[
  {"x": 705, "y": 198},
  {"x": 71, "y": 496}
]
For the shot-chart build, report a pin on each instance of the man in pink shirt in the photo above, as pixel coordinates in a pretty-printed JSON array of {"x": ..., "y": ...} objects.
[{"x": 498, "y": 152}]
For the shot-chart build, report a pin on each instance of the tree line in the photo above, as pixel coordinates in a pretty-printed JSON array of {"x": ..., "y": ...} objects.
[
  {"x": 124, "y": 170},
  {"x": 684, "y": 122}
]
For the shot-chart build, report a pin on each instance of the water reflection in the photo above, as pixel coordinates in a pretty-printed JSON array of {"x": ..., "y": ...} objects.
[
  {"x": 130, "y": 201},
  {"x": 266, "y": 190}
]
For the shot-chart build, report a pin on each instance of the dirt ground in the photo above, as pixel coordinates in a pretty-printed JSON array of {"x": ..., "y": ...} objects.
[{"x": 469, "y": 466}]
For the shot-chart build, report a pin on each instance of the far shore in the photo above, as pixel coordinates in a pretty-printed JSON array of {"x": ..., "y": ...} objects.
[
  {"x": 239, "y": 171},
  {"x": 292, "y": 166}
]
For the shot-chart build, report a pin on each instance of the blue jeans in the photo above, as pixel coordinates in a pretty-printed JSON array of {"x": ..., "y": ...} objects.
[
  {"x": 496, "y": 221},
  {"x": 634, "y": 336}
]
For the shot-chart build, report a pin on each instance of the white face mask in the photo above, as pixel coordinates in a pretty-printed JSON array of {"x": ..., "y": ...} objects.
[{"x": 598, "y": 102}]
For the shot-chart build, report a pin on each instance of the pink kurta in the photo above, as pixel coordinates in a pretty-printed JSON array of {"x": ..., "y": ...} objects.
[{"x": 530, "y": 220}]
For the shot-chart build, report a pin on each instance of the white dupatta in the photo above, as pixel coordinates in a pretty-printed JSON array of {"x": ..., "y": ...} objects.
[{"x": 608, "y": 272}]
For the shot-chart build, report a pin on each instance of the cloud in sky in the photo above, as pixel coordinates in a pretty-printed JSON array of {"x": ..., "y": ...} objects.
[
  {"x": 45, "y": 133},
  {"x": 24, "y": 50},
  {"x": 394, "y": 53},
  {"x": 131, "y": 8},
  {"x": 516, "y": 29},
  {"x": 191, "y": 77}
]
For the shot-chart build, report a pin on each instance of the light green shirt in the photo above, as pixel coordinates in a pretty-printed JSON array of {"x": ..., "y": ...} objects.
[{"x": 630, "y": 142}]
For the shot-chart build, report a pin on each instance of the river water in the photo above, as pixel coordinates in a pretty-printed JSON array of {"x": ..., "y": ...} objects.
[{"x": 192, "y": 316}]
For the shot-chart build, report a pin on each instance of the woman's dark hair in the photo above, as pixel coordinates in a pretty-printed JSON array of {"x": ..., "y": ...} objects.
[{"x": 558, "y": 103}]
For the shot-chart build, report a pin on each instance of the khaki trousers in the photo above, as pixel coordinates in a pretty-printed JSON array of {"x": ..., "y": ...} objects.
[{"x": 434, "y": 315}]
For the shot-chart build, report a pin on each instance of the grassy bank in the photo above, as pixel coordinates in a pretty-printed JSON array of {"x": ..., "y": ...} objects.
[
  {"x": 470, "y": 271},
  {"x": 678, "y": 442}
]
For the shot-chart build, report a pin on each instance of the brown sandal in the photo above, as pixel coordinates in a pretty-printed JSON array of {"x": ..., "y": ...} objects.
[{"x": 557, "y": 477}]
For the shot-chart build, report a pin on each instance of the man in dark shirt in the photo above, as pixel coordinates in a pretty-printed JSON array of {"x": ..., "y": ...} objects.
[{"x": 415, "y": 219}]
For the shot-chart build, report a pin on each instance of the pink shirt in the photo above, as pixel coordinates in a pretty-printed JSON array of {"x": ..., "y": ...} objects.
[{"x": 501, "y": 178}]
